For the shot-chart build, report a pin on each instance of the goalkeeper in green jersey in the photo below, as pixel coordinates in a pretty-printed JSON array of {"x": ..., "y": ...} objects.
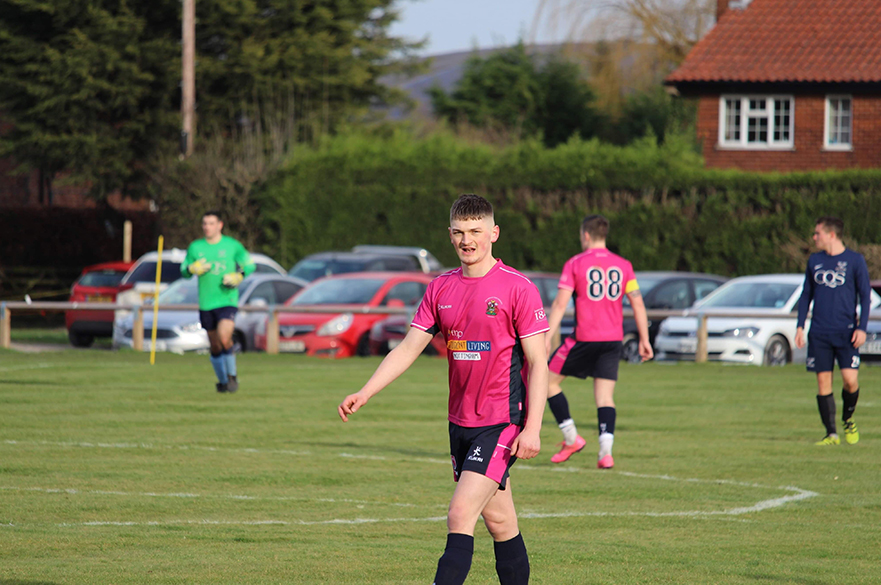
[{"x": 221, "y": 263}]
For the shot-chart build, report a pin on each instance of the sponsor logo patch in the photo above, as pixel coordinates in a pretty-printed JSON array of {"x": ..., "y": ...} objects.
[
  {"x": 463, "y": 345},
  {"x": 540, "y": 314},
  {"x": 466, "y": 356}
]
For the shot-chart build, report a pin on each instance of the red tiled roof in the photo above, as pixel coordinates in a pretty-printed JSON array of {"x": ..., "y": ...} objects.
[{"x": 790, "y": 40}]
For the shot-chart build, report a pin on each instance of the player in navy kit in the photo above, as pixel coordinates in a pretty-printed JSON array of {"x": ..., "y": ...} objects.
[{"x": 835, "y": 280}]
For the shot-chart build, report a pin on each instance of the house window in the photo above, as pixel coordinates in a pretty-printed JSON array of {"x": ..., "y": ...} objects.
[
  {"x": 756, "y": 122},
  {"x": 839, "y": 122}
]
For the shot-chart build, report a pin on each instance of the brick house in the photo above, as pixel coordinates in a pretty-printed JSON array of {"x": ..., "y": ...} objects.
[{"x": 788, "y": 85}]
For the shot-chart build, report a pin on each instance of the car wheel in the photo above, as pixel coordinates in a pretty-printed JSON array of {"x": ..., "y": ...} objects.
[
  {"x": 238, "y": 342},
  {"x": 630, "y": 350},
  {"x": 80, "y": 339},
  {"x": 777, "y": 352},
  {"x": 363, "y": 348}
]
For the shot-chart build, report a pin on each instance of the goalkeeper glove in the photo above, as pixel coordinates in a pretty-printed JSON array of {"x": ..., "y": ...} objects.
[
  {"x": 233, "y": 279},
  {"x": 199, "y": 268}
]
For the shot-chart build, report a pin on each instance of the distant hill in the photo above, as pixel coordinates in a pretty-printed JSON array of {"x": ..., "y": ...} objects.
[{"x": 444, "y": 71}]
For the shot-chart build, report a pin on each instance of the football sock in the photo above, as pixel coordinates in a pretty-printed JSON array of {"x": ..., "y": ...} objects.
[
  {"x": 850, "y": 403},
  {"x": 229, "y": 358},
  {"x": 560, "y": 407},
  {"x": 512, "y": 561},
  {"x": 453, "y": 566},
  {"x": 219, "y": 364},
  {"x": 606, "y": 442},
  {"x": 606, "y": 419},
  {"x": 826, "y": 404}
]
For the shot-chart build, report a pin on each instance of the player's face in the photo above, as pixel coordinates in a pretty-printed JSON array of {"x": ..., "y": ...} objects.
[
  {"x": 823, "y": 238},
  {"x": 211, "y": 226},
  {"x": 473, "y": 239}
]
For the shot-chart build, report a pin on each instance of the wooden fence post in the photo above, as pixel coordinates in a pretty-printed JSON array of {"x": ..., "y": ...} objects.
[
  {"x": 138, "y": 330},
  {"x": 272, "y": 332},
  {"x": 700, "y": 354},
  {"x": 5, "y": 326}
]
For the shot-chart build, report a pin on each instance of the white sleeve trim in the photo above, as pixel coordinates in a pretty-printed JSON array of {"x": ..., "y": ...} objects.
[
  {"x": 545, "y": 330},
  {"x": 417, "y": 326}
]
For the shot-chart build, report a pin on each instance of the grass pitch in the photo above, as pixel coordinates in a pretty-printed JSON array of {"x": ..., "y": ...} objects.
[{"x": 113, "y": 471}]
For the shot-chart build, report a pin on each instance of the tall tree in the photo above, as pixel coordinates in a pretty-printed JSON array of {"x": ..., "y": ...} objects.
[{"x": 86, "y": 86}]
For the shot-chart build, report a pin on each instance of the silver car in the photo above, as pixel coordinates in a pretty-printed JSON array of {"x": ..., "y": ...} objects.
[
  {"x": 765, "y": 335},
  {"x": 181, "y": 331}
]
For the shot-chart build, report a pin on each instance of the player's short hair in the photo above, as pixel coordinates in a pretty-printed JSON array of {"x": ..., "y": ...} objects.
[
  {"x": 471, "y": 206},
  {"x": 596, "y": 226},
  {"x": 213, "y": 212},
  {"x": 831, "y": 224}
]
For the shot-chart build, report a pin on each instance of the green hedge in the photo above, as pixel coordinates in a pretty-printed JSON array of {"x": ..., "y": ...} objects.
[{"x": 667, "y": 211}]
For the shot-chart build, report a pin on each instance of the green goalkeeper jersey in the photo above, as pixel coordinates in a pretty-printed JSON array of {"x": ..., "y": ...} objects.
[{"x": 225, "y": 257}]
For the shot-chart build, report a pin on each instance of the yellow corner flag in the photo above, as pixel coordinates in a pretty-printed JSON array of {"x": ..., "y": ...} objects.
[{"x": 156, "y": 304}]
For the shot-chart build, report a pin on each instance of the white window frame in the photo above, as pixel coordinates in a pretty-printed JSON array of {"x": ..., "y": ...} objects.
[
  {"x": 742, "y": 143},
  {"x": 827, "y": 126}
]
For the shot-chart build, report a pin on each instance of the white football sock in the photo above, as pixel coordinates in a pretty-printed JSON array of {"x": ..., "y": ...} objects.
[
  {"x": 606, "y": 440},
  {"x": 570, "y": 433}
]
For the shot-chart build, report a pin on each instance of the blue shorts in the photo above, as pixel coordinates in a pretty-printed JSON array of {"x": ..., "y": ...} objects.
[
  {"x": 210, "y": 319},
  {"x": 825, "y": 348}
]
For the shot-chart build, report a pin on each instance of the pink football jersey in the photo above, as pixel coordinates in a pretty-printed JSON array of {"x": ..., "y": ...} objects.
[
  {"x": 599, "y": 280},
  {"x": 482, "y": 321}
]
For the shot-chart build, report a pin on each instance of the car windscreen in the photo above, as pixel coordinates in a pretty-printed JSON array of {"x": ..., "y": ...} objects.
[
  {"x": 762, "y": 295},
  {"x": 146, "y": 272},
  {"x": 340, "y": 291},
  {"x": 182, "y": 292},
  {"x": 101, "y": 278},
  {"x": 314, "y": 269}
]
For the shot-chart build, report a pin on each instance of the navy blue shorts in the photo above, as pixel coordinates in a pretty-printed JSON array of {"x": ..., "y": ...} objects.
[
  {"x": 825, "y": 348},
  {"x": 210, "y": 319},
  {"x": 483, "y": 450},
  {"x": 597, "y": 359}
]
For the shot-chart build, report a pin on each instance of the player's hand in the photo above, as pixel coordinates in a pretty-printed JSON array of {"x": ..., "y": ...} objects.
[
  {"x": 350, "y": 405},
  {"x": 233, "y": 279},
  {"x": 800, "y": 338},
  {"x": 645, "y": 350},
  {"x": 526, "y": 445},
  {"x": 198, "y": 268},
  {"x": 858, "y": 338}
]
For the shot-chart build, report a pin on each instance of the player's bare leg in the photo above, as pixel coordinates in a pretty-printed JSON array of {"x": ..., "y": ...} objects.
[
  {"x": 604, "y": 395},
  {"x": 572, "y": 441},
  {"x": 473, "y": 493},
  {"x": 826, "y": 406},
  {"x": 500, "y": 517},
  {"x": 850, "y": 393}
]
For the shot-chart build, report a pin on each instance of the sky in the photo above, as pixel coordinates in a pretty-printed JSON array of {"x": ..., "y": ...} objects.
[{"x": 461, "y": 25}]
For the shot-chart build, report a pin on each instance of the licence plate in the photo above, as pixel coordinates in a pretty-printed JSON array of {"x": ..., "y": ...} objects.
[
  {"x": 99, "y": 299},
  {"x": 292, "y": 346},
  {"x": 872, "y": 347},
  {"x": 688, "y": 345},
  {"x": 147, "y": 295},
  {"x": 393, "y": 343}
]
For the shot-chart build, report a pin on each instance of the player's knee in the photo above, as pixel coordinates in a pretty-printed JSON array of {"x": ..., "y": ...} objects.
[
  {"x": 501, "y": 527},
  {"x": 851, "y": 385},
  {"x": 460, "y": 519}
]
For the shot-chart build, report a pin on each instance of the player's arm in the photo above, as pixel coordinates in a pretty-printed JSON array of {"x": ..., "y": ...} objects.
[
  {"x": 558, "y": 309},
  {"x": 642, "y": 324},
  {"x": 864, "y": 289},
  {"x": 243, "y": 260},
  {"x": 394, "y": 364},
  {"x": 804, "y": 302},
  {"x": 528, "y": 442}
]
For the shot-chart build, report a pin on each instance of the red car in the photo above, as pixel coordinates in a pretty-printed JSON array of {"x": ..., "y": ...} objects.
[
  {"x": 342, "y": 335},
  {"x": 98, "y": 283}
]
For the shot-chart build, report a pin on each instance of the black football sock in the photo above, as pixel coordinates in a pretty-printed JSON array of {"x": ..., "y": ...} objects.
[
  {"x": 560, "y": 407},
  {"x": 826, "y": 404},
  {"x": 606, "y": 419},
  {"x": 850, "y": 403},
  {"x": 453, "y": 566},
  {"x": 512, "y": 561}
]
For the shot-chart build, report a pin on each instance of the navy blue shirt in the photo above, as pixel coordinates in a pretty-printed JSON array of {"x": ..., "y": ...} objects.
[{"x": 835, "y": 283}]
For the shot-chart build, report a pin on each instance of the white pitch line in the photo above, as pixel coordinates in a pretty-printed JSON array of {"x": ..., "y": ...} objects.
[
  {"x": 31, "y": 367},
  {"x": 87, "y": 445}
]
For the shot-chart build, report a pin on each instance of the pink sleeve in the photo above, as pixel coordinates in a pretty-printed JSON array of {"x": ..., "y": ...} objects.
[
  {"x": 529, "y": 313},
  {"x": 567, "y": 277},
  {"x": 424, "y": 318}
]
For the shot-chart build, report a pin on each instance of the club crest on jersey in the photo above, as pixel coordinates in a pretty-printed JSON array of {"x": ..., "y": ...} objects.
[{"x": 492, "y": 306}]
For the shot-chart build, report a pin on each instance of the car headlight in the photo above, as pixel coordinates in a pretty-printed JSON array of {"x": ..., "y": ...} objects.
[
  {"x": 337, "y": 325},
  {"x": 191, "y": 327},
  {"x": 742, "y": 332}
]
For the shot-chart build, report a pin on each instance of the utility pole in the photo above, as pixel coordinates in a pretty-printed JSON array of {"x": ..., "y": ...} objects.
[{"x": 188, "y": 78}]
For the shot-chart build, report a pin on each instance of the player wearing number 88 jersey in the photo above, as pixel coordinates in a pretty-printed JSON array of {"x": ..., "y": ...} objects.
[{"x": 599, "y": 280}]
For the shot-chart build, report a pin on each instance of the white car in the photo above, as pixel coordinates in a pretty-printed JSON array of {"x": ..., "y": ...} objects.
[{"x": 765, "y": 337}]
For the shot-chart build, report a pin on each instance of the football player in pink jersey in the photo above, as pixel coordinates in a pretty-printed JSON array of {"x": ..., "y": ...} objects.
[
  {"x": 492, "y": 319},
  {"x": 599, "y": 280}
]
